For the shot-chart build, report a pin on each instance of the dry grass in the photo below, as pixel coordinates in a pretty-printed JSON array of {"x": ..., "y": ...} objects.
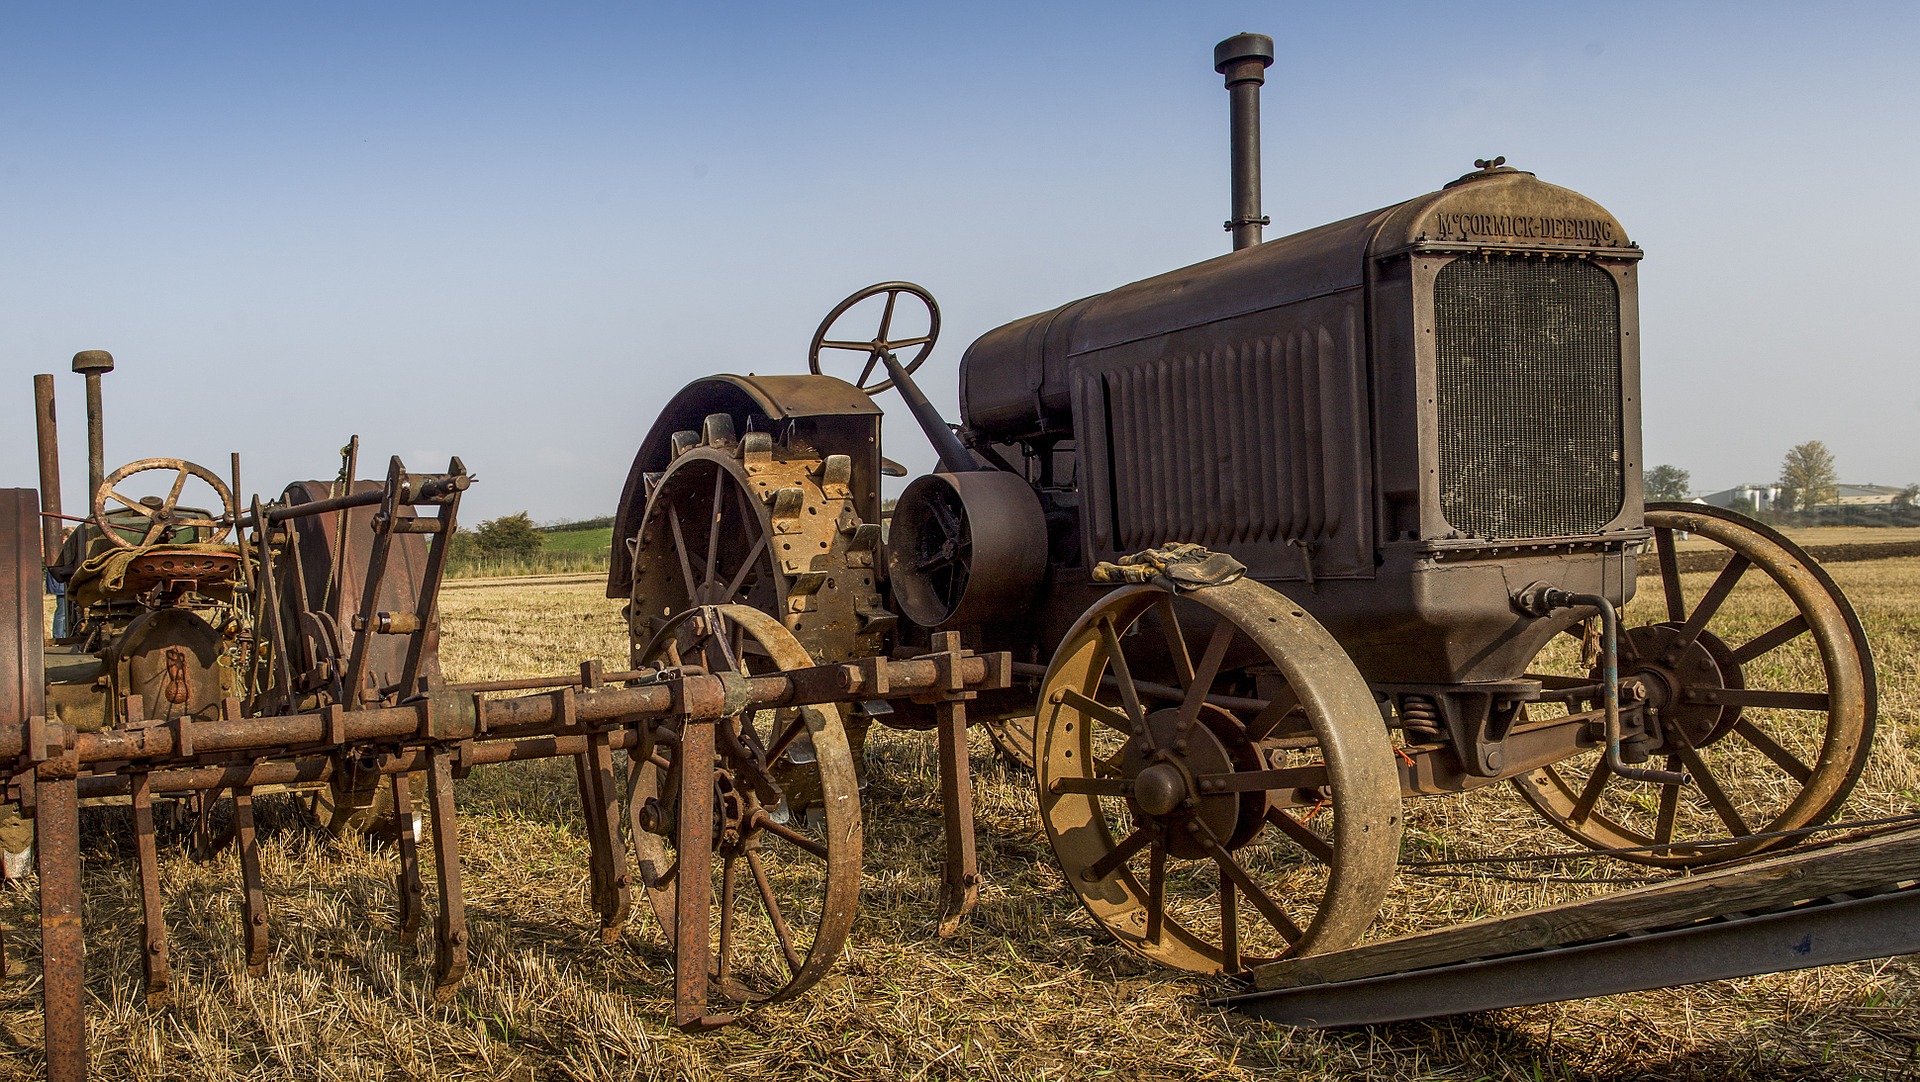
[{"x": 1030, "y": 990}]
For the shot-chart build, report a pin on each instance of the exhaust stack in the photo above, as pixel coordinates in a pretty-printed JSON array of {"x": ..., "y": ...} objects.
[
  {"x": 49, "y": 467},
  {"x": 1243, "y": 59},
  {"x": 94, "y": 363}
]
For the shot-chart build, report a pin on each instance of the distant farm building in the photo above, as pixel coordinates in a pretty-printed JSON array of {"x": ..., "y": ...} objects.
[
  {"x": 1747, "y": 498},
  {"x": 1750, "y": 498},
  {"x": 1864, "y": 495}
]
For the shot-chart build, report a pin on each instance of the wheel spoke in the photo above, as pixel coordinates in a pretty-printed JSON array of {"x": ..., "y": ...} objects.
[
  {"x": 902, "y": 343},
  {"x": 774, "y": 916},
  {"x": 1231, "y": 869},
  {"x": 1115, "y": 787},
  {"x": 1670, "y": 575},
  {"x": 1098, "y": 711},
  {"x": 782, "y": 830},
  {"x": 1229, "y": 927},
  {"x": 1773, "y": 700},
  {"x": 873, "y": 358},
  {"x": 1120, "y": 854},
  {"x": 680, "y": 550},
  {"x": 179, "y": 486},
  {"x": 1176, "y": 641},
  {"x": 1156, "y": 887},
  {"x": 1779, "y": 636},
  {"x": 1302, "y": 835},
  {"x": 1204, "y": 675},
  {"x": 1123, "y": 677},
  {"x": 858, "y": 347},
  {"x": 1590, "y": 793},
  {"x": 1669, "y": 807},
  {"x": 740, "y": 576},
  {"x": 787, "y": 736},
  {"x": 132, "y": 505},
  {"x": 1276, "y": 712},
  {"x": 886, "y": 315},
  {"x": 1710, "y": 604},
  {"x": 1781, "y": 757},
  {"x": 713, "y": 527},
  {"x": 1710, "y": 788}
]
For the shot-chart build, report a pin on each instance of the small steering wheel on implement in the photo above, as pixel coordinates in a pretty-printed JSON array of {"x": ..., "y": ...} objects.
[
  {"x": 880, "y": 344},
  {"x": 163, "y": 519}
]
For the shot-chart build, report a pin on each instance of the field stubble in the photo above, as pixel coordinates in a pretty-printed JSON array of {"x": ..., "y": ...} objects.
[{"x": 1030, "y": 989}]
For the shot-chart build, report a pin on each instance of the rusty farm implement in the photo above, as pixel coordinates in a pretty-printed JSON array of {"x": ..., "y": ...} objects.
[{"x": 212, "y": 655}]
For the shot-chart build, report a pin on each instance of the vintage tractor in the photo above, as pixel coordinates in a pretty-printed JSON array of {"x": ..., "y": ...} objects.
[
  {"x": 1277, "y": 541},
  {"x": 165, "y": 612}
]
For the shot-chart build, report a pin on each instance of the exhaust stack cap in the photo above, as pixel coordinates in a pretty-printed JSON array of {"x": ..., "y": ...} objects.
[
  {"x": 1231, "y": 54},
  {"x": 89, "y": 361}
]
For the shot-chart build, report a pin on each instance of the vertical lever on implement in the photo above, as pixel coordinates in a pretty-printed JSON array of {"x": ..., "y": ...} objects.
[
  {"x": 960, "y": 874},
  {"x": 408, "y": 903},
  {"x": 153, "y": 927},
  {"x": 693, "y": 879},
  {"x": 450, "y": 926},
  {"x": 254, "y": 899}
]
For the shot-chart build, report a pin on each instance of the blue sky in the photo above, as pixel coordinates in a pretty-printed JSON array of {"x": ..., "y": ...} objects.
[{"x": 509, "y": 232}]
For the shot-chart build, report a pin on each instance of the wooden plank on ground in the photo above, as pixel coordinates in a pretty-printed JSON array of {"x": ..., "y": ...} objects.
[{"x": 1780, "y": 881}]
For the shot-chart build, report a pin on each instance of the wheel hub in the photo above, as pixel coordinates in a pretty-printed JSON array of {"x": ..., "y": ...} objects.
[
  {"x": 1653, "y": 659},
  {"x": 1160, "y": 789},
  {"x": 1163, "y": 787}
]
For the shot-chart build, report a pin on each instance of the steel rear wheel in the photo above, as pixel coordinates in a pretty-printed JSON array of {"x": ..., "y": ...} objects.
[
  {"x": 1764, "y": 690},
  {"x": 786, "y": 835},
  {"x": 1215, "y": 778},
  {"x": 751, "y": 520}
]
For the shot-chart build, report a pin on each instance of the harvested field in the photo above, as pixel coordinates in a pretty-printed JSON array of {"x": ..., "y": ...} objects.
[{"x": 1029, "y": 990}]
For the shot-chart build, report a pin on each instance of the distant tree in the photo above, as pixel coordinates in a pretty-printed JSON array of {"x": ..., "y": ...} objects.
[
  {"x": 1667, "y": 483},
  {"x": 1807, "y": 476},
  {"x": 1908, "y": 496},
  {"x": 508, "y": 537},
  {"x": 463, "y": 547}
]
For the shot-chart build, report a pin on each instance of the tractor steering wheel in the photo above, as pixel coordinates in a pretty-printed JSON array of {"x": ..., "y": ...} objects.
[
  {"x": 880, "y": 343},
  {"x": 163, "y": 519}
]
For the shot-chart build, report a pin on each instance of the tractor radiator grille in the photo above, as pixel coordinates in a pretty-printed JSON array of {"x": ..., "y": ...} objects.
[{"x": 1528, "y": 377}]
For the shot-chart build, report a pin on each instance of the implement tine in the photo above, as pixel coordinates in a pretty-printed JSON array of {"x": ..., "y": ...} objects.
[
  {"x": 411, "y": 903},
  {"x": 254, "y": 898},
  {"x": 450, "y": 926},
  {"x": 611, "y": 897},
  {"x": 56, "y": 824},
  {"x": 960, "y": 875},
  {"x": 153, "y": 926}
]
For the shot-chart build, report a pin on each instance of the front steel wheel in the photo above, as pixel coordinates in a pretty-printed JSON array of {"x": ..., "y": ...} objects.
[
  {"x": 1215, "y": 778},
  {"x": 1760, "y": 684}
]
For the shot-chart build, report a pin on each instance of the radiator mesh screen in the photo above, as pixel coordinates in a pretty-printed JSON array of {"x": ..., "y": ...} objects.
[{"x": 1528, "y": 394}]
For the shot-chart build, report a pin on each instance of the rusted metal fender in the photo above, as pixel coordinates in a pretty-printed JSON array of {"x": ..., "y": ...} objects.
[{"x": 830, "y": 414}]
